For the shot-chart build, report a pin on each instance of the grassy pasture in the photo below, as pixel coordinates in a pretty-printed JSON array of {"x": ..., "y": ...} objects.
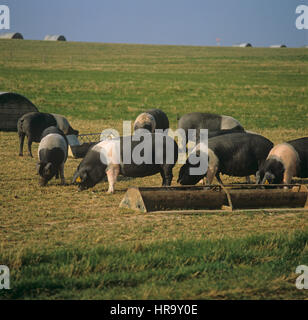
[{"x": 63, "y": 244}]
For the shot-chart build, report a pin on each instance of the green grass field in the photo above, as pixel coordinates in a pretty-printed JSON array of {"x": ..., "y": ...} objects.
[{"x": 63, "y": 244}]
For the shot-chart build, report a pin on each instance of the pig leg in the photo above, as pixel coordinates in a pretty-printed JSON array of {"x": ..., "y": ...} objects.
[
  {"x": 212, "y": 170},
  {"x": 211, "y": 173},
  {"x": 112, "y": 174},
  {"x": 21, "y": 143},
  {"x": 29, "y": 146},
  {"x": 163, "y": 177},
  {"x": 166, "y": 174},
  {"x": 62, "y": 173},
  {"x": 287, "y": 178}
]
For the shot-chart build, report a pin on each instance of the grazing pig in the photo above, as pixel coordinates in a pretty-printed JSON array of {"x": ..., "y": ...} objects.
[
  {"x": 235, "y": 154},
  {"x": 285, "y": 161},
  {"x": 33, "y": 124},
  {"x": 152, "y": 119},
  {"x": 52, "y": 154},
  {"x": 210, "y": 121},
  {"x": 107, "y": 158},
  {"x": 64, "y": 125}
]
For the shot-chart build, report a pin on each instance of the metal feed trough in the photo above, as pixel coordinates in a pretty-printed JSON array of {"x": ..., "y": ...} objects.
[
  {"x": 79, "y": 145},
  {"x": 89, "y": 137},
  {"x": 216, "y": 197}
]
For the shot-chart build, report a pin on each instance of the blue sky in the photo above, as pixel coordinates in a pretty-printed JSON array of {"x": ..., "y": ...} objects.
[{"x": 179, "y": 22}]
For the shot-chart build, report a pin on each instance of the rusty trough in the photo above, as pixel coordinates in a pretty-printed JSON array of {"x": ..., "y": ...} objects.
[{"x": 215, "y": 197}]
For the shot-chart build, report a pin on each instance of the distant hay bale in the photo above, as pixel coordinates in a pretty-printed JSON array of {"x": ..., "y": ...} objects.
[
  {"x": 278, "y": 46},
  {"x": 55, "y": 38},
  {"x": 12, "y": 107},
  {"x": 243, "y": 45},
  {"x": 11, "y": 35}
]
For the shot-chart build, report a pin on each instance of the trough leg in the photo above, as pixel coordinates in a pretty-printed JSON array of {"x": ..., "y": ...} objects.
[
  {"x": 21, "y": 143},
  {"x": 218, "y": 178}
]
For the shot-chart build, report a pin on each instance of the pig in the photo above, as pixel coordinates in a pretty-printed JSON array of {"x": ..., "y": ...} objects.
[
  {"x": 33, "y": 124},
  {"x": 285, "y": 161},
  {"x": 53, "y": 129},
  {"x": 107, "y": 158},
  {"x": 210, "y": 121},
  {"x": 152, "y": 119},
  {"x": 236, "y": 154},
  {"x": 52, "y": 154},
  {"x": 63, "y": 124}
]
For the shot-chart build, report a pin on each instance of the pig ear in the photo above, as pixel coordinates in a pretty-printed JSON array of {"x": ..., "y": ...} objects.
[
  {"x": 48, "y": 168},
  {"x": 84, "y": 175},
  {"x": 79, "y": 177},
  {"x": 136, "y": 126},
  {"x": 48, "y": 165},
  {"x": 267, "y": 178},
  {"x": 38, "y": 167},
  {"x": 76, "y": 175}
]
